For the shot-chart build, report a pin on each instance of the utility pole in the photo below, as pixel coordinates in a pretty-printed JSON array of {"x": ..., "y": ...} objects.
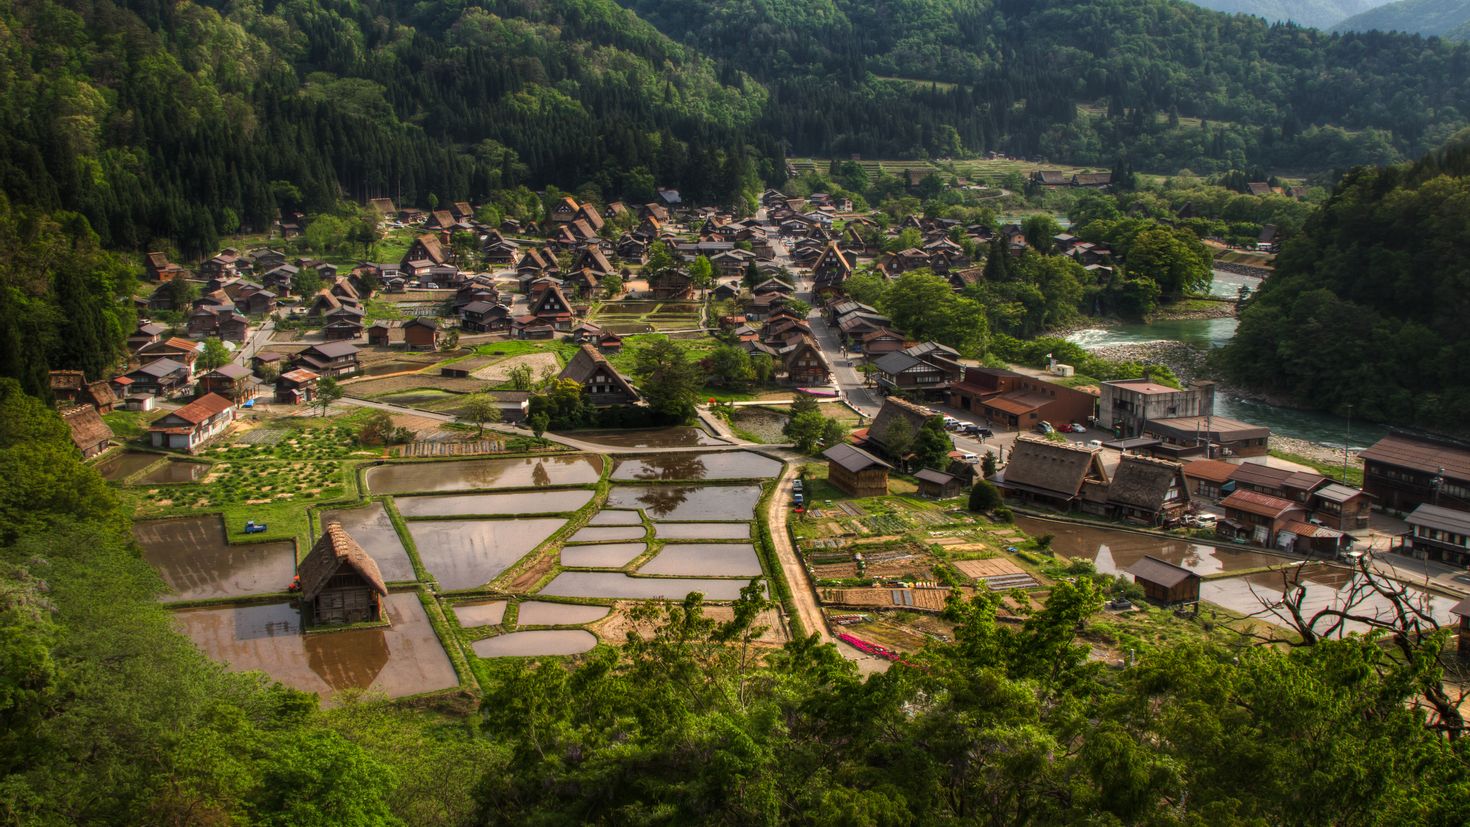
[{"x": 1346, "y": 437}]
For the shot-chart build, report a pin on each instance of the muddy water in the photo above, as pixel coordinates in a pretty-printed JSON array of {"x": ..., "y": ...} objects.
[
  {"x": 480, "y": 614},
  {"x": 541, "y": 613},
  {"x": 615, "y": 518},
  {"x": 614, "y": 584},
  {"x": 465, "y": 475},
  {"x": 597, "y": 534},
  {"x": 195, "y": 561},
  {"x": 729, "y": 465},
  {"x": 674, "y": 502},
  {"x": 540, "y": 642},
  {"x": 601, "y": 556},
  {"x": 372, "y": 530},
  {"x": 403, "y": 659},
  {"x": 385, "y": 368},
  {"x": 125, "y": 464},
  {"x": 466, "y": 553},
  {"x": 1113, "y": 551},
  {"x": 681, "y": 437},
  {"x": 175, "y": 471},
  {"x": 524, "y": 502},
  {"x": 1325, "y": 586},
  {"x": 702, "y": 531},
  {"x": 705, "y": 560}
]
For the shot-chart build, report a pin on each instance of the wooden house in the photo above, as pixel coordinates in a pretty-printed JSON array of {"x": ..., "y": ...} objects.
[
  {"x": 1064, "y": 475},
  {"x": 1341, "y": 507},
  {"x": 1258, "y": 517},
  {"x": 379, "y": 334},
  {"x": 332, "y": 359},
  {"x": 1462, "y": 611},
  {"x": 1208, "y": 478},
  {"x": 161, "y": 377},
  {"x": 484, "y": 317},
  {"x": 1165, "y": 583},
  {"x": 553, "y": 308},
  {"x": 600, "y": 381},
  {"x": 1150, "y": 491},
  {"x": 420, "y": 333},
  {"x": 803, "y": 364},
  {"x": 296, "y": 387},
  {"x": 937, "y": 484},
  {"x": 1402, "y": 472},
  {"x": 856, "y": 471},
  {"x": 234, "y": 382},
  {"x": 881, "y": 431},
  {"x": 88, "y": 432},
  {"x": 340, "y": 583},
  {"x": 1439, "y": 533},
  {"x": 72, "y": 386},
  {"x": 189, "y": 428}
]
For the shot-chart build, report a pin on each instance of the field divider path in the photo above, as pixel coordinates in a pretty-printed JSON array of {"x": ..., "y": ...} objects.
[{"x": 802, "y": 594}]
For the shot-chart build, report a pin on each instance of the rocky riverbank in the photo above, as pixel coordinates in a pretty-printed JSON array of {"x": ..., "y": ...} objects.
[
  {"x": 1196, "y": 309},
  {"x": 1187, "y": 362}
]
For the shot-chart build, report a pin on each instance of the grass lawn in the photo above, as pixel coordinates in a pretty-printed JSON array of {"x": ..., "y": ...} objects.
[
  {"x": 378, "y": 310},
  {"x": 1332, "y": 470},
  {"x": 129, "y": 425},
  {"x": 508, "y": 349}
]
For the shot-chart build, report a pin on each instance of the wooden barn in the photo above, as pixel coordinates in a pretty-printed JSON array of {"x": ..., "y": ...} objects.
[
  {"x": 937, "y": 484},
  {"x": 1165, "y": 583},
  {"x": 856, "y": 471},
  {"x": 1147, "y": 490},
  {"x": 339, "y": 582}
]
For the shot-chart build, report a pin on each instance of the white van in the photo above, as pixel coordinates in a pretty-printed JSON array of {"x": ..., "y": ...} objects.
[{"x": 967, "y": 456}]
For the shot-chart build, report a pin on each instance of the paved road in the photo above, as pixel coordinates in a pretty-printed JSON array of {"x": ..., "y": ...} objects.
[{"x": 260, "y": 338}]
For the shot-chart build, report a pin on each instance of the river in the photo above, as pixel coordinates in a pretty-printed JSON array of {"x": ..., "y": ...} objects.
[{"x": 1311, "y": 426}]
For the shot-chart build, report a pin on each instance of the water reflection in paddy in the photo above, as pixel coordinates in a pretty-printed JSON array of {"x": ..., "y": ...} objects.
[
  {"x": 520, "y": 502},
  {"x": 702, "y": 531},
  {"x": 539, "y": 642},
  {"x": 595, "y": 534},
  {"x": 1325, "y": 586},
  {"x": 196, "y": 562},
  {"x": 465, "y": 553},
  {"x": 373, "y": 530},
  {"x": 618, "y": 585},
  {"x": 463, "y": 475},
  {"x": 602, "y": 555},
  {"x": 681, "y": 437},
  {"x": 676, "y": 502},
  {"x": 125, "y": 464},
  {"x": 1114, "y": 550},
  {"x": 402, "y": 659},
  {"x": 705, "y": 560},
  {"x": 615, "y": 517},
  {"x": 541, "y": 613},
  {"x": 480, "y": 614},
  {"x": 175, "y": 471},
  {"x": 728, "y": 465}
]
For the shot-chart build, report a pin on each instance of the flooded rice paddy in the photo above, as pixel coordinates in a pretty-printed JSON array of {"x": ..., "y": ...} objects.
[
  {"x": 403, "y": 659},
  {"x": 473, "y": 474},
  {"x": 480, "y": 614},
  {"x": 196, "y": 562},
  {"x": 674, "y": 502},
  {"x": 729, "y": 465},
  {"x": 175, "y": 471},
  {"x": 1326, "y": 586},
  {"x": 602, "y": 555},
  {"x": 373, "y": 530},
  {"x": 680, "y": 437},
  {"x": 539, "y": 642},
  {"x": 463, "y": 554},
  {"x": 541, "y": 613},
  {"x": 615, "y": 517},
  {"x": 618, "y": 585},
  {"x": 125, "y": 464},
  {"x": 702, "y": 531},
  {"x": 705, "y": 560},
  {"x": 1113, "y": 550},
  {"x": 523, "y": 502},
  {"x": 597, "y": 534}
]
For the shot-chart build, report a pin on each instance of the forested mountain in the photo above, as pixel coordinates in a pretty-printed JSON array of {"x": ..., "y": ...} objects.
[
  {"x": 1438, "y": 18},
  {"x": 185, "y": 120},
  {"x": 1319, "y": 14},
  {"x": 1368, "y": 304},
  {"x": 935, "y": 76}
]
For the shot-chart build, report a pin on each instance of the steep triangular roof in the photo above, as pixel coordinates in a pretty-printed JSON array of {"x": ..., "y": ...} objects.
[
  {"x": 585, "y": 364},
  {"x": 336, "y": 549},
  {"x": 1056, "y": 468},
  {"x": 551, "y": 302}
]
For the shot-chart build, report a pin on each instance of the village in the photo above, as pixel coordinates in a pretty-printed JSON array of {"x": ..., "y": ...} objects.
[{"x": 357, "y": 475}]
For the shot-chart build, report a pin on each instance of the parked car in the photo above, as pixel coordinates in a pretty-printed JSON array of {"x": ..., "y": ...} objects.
[
  {"x": 796, "y": 498},
  {"x": 1044, "y": 427},
  {"x": 979, "y": 431},
  {"x": 1077, "y": 429},
  {"x": 796, "y": 484},
  {"x": 1094, "y": 443},
  {"x": 970, "y": 457},
  {"x": 950, "y": 423}
]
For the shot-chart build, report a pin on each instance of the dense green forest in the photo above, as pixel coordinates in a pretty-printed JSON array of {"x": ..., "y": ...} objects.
[
  {"x": 110, "y": 717},
  {"x": 1431, "y": 18},
  {"x": 1368, "y": 304},
  {"x": 935, "y": 76}
]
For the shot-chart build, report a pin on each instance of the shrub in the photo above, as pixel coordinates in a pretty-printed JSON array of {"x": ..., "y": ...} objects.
[{"x": 984, "y": 497}]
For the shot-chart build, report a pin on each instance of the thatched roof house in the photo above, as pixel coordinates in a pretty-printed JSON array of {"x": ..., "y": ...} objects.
[
  {"x": 88, "y": 432},
  {"x": 339, "y": 581},
  {"x": 1054, "y": 473},
  {"x": 1152, "y": 490},
  {"x": 598, "y": 378}
]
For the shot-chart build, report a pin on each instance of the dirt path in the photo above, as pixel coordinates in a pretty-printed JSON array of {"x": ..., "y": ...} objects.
[{"x": 802, "y": 594}]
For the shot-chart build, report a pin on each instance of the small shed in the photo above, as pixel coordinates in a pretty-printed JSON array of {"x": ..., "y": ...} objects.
[
  {"x": 378, "y": 334},
  {"x": 856, "y": 471},
  {"x": 1165, "y": 583},
  {"x": 937, "y": 484},
  {"x": 340, "y": 582},
  {"x": 421, "y": 334}
]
